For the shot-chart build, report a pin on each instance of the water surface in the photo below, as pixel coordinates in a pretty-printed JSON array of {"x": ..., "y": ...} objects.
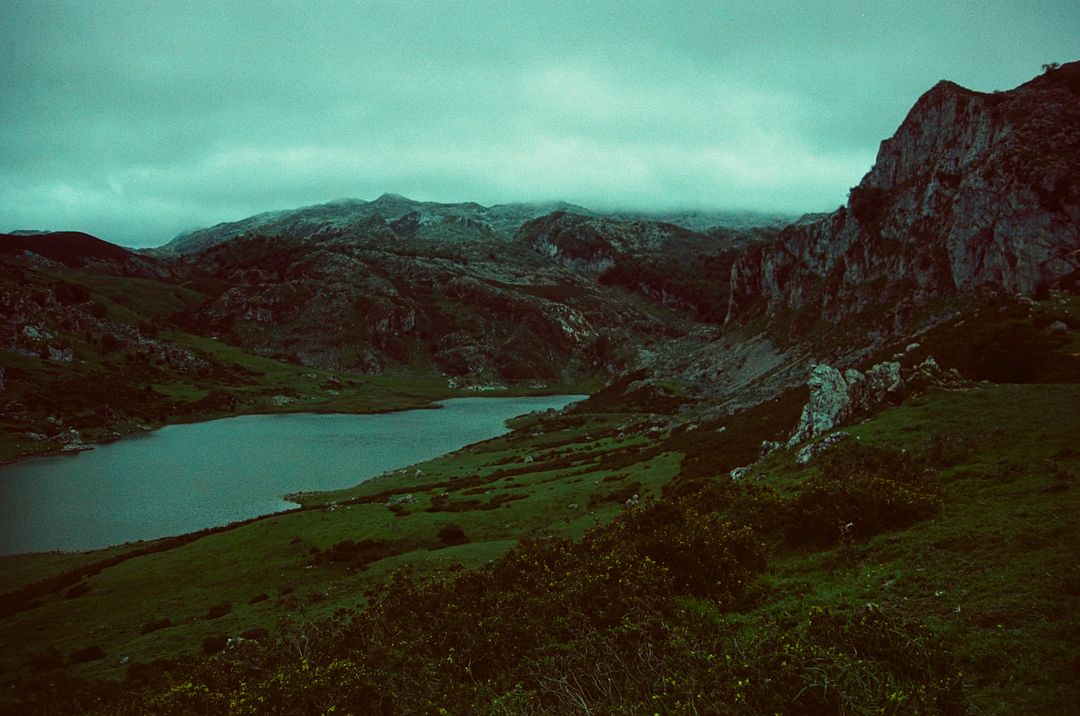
[{"x": 183, "y": 478}]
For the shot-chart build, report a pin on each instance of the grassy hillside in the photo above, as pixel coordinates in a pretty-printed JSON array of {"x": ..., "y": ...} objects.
[{"x": 956, "y": 588}]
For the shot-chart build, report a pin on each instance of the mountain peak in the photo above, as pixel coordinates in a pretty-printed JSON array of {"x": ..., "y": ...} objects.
[{"x": 392, "y": 197}]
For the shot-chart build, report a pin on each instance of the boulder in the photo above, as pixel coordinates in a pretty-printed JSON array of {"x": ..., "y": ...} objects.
[
  {"x": 810, "y": 451},
  {"x": 835, "y": 397},
  {"x": 769, "y": 446},
  {"x": 830, "y": 402}
]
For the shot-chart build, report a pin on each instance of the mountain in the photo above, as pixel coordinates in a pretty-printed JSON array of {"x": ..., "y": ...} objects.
[
  {"x": 974, "y": 193},
  {"x": 426, "y": 220},
  {"x": 71, "y": 248},
  {"x": 400, "y": 216}
]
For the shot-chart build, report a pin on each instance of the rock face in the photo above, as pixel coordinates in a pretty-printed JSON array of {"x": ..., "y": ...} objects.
[
  {"x": 974, "y": 192},
  {"x": 836, "y": 396}
]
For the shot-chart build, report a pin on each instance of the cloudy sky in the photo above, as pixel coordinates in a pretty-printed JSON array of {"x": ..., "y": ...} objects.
[{"x": 134, "y": 121}]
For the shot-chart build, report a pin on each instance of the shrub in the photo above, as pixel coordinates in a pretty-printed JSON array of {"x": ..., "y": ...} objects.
[
  {"x": 256, "y": 634},
  {"x": 451, "y": 534},
  {"x": 867, "y": 204},
  {"x": 870, "y": 489},
  {"x": 703, "y": 553},
  {"x": 154, "y": 625},
  {"x": 77, "y": 591},
  {"x": 363, "y": 552},
  {"x": 90, "y": 653},
  {"x": 214, "y": 644},
  {"x": 218, "y": 610}
]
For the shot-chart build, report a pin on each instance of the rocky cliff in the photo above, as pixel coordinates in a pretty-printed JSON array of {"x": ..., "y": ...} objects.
[{"x": 974, "y": 192}]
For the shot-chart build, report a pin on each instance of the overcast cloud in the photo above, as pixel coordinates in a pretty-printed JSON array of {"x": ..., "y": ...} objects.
[{"x": 134, "y": 121}]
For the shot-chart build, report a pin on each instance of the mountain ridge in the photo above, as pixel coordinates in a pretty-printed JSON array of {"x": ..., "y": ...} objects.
[{"x": 499, "y": 221}]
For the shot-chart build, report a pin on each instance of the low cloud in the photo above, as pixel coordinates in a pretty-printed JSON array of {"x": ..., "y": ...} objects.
[{"x": 134, "y": 121}]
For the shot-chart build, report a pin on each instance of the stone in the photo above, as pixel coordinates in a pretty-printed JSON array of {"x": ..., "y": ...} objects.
[
  {"x": 769, "y": 446},
  {"x": 835, "y": 397},
  {"x": 1058, "y": 327},
  {"x": 71, "y": 440},
  {"x": 740, "y": 472},
  {"x": 812, "y": 450},
  {"x": 34, "y": 333},
  {"x": 912, "y": 347},
  {"x": 829, "y": 403},
  {"x": 63, "y": 354}
]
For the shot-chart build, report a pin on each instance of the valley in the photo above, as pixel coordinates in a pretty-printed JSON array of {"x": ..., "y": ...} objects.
[{"x": 725, "y": 525}]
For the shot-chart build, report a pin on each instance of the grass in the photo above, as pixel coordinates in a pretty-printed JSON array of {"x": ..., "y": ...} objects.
[
  {"x": 995, "y": 572},
  {"x": 278, "y": 556}
]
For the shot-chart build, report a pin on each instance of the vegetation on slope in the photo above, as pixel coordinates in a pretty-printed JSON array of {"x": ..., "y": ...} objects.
[{"x": 953, "y": 588}]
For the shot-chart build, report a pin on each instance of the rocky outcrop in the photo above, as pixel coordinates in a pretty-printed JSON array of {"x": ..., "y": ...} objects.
[
  {"x": 811, "y": 450},
  {"x": 835, "y": 397},
  {"x": 974, "y": 192}
]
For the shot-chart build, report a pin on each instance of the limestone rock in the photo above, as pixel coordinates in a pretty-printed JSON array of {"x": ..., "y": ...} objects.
[
  {"x": 835, "y": 397},
  {"x": 830, "y": 402},
  {"x": 808, "y": 452},
  {"x": 769, "y": 446},
  {"x": 972, "y": 193}
]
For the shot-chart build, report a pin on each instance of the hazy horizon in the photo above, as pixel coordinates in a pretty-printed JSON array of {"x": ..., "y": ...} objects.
[{"x": 136, "y": 122}]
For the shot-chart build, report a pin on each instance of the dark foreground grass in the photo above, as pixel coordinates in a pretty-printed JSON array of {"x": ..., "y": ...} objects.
[{"x": 712, "y": 600}]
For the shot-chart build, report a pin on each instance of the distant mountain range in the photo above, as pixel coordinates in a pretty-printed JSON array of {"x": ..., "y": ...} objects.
[{"x": 426, "y": 220}]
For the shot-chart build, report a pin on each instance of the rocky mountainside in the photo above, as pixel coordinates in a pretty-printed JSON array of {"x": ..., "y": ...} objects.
[
  {"x": 396, "y": 216},
  {"x": 975, "y": 192},
  {"x": 476, "y": 311}
]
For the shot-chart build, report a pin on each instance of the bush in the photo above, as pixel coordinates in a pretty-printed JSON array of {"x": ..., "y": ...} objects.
[
  {"x": 214, "y": 644},
  {"x": 363, "y": 552},
  {"x": 870, "y": 489},
  {"x": 868, "y": 204},
  {"x": 218, "y": 610},
  {"x": 704, "y": 554},
  {"x": 452, "y": 534},
  {"x": 154, "y": 625},
  {"x": 77, "y": 591},
  {"x": 71, "y": 293},
  {"x": 90, "y": 653},
  {"x": 256, "y": 634}
]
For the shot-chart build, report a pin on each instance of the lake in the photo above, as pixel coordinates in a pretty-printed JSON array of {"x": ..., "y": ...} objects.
[{"x": 183, "y": 478}]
